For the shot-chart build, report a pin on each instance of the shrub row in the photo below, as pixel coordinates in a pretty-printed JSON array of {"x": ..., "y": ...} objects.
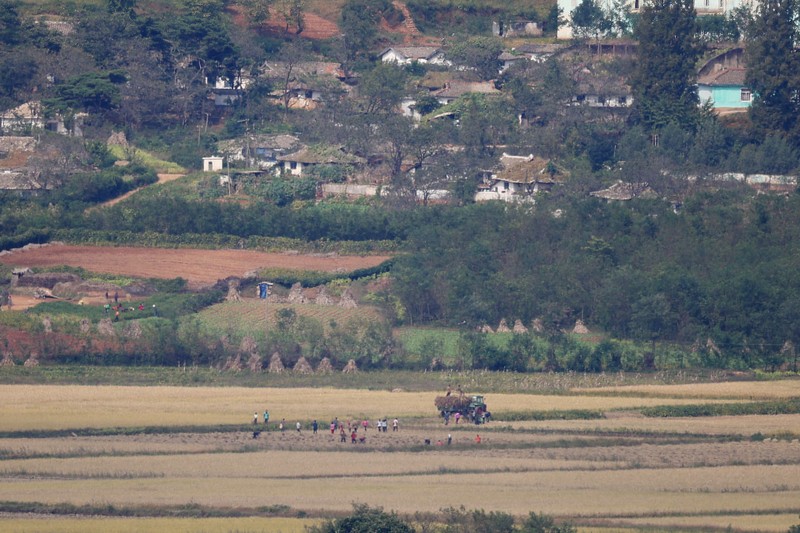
[{"x": 730, "y": 409}]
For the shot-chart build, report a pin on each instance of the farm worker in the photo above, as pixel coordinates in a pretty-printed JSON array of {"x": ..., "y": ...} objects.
[
  {"x": 282, "y": 424},
  {"x": 298, "y": 426},
  {"x": 116, "y": 316},
  {"x": 365, "y": 424},
  {"x": 116, "y": 297},
  {"x": 395, "y": 424},
  {"x": 458, "y": 417},
  {"x": 449, "y": 439},
  {"x": 333, "y": 427},
  {"x": 106, "y": 295},
  {"x": 9, "y": 302},
  {"x": 314, "y": 427},
  {"x": 342, "y": 436},
  {"x": 266, "y": 417},
  {"x": 477, "y": 439},
  {"x": 155, "y": 310},
  {"x": 107, "y": 308},
  {"x": 141, "y": 307},
  {"x": 255, "y": 417},
  {"x": 353, "y": 437}
]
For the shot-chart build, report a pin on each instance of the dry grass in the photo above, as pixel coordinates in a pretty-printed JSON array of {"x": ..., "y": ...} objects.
[
  {"x": 586, "y": 493},
  {"x": 776, "y": 522},
  {"x": 157, "y": 525},
  {"x": 27, "y": 407},
  {"x": 745, "y": 390},
  {"x": 284, "y": 464},
  {"x": 717, "y": 425}
]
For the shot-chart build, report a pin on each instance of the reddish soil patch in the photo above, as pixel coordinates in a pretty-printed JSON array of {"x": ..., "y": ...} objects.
[{"x": 196, "y": 266}]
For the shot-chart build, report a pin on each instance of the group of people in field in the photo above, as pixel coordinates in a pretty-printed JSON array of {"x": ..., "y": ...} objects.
[{"x": 349, "y": 428}]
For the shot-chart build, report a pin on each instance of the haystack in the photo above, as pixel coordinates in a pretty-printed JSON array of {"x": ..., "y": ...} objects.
[
  {"x": 33, "y": 360},
  {"x": 7, "y": 360},
  {"x": 537, "y": 325},
  {"x": 105, "y": 327},
  {"x": 580, "y": 328},
  {"x": 296, "y": 295},
  {"x": 86, "y": 326},
  {"x": 302, "y": 367},
  {"x": 233, "y": 291},
  {"x": 254, "y": 363},
  {"x": 502, "y": 327},
  {"x": 519, "y": 327},
  {"x": 486, "y": 328},
  {"x": 350, "y": 367},
  {"x": 233, "y": 363},
  {"x": 47, "y": 325},
  {"x": 275, "y": 364},
  {"x": 323, "y": 298},
  {"x": 133, "y": 330},
  {"x": 713, "y": 348},
  {"x": 248, "y": 346},
  {"x": 347, "y": 301},
  {"x": 325, "y": 366}
]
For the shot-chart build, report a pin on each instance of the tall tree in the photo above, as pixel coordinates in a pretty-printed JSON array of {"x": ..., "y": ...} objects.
[
  {"x": 589, "y": 20},
  {"x": 773, "y": 69},
  {"x": 664, "y": 82}
]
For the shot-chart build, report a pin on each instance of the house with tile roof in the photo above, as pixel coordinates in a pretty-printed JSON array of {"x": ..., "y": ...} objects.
[
  {"x": 519, "y": 178},
  {"x": 404, "y": 55}
]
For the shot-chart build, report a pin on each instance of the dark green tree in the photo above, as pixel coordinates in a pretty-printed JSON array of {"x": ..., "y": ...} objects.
[
  {"x": 365, "y": 519},
  {"x": 663, "y": 84},
  {"x": 359, "y": 23},
  {"x": 773, "y": 71},
  {"x": 480, "y": 54},
  {"x": 589, "y": 21}
]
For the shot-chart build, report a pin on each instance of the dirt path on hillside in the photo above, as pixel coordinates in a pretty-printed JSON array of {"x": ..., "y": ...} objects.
[{"x": 162, "y": 178}]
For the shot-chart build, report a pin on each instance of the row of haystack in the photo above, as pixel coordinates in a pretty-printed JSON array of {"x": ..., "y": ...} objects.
[
  {"x": 536, "y": 326},
  {"x": 33, "y": 360},
  {"x": 276, "y": 366}
]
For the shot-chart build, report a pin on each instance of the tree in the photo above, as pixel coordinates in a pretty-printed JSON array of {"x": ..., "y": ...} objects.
[
  {"x": 359, "y": 23},
  {"x": 365, "y": 519},
  {"x": 589, "y": 20},
  {"x": 121, "y": 6},
  {"x": 663, "y": 85},
  {"x": 480, "y": 54},
  {"x": 773, "y": 71},
  {"x": 381, "y": 89}
]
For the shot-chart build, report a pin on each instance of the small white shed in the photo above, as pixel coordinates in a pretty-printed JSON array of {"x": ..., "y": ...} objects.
[{"x": 212, "y": 163}]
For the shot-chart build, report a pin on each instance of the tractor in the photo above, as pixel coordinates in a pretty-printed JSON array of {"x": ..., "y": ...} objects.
[{"x": 470, "y": 407}]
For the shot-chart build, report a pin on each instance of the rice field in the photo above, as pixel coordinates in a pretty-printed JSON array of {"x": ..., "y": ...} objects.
[
  {"x": 50, "y": 407},
  {"x": 622, "y": 472}
]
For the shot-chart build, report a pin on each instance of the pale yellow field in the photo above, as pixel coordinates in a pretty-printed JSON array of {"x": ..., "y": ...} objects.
[
  {"x": 777, "y": 522},
  {"x": 26, "y": 407},
  {"x": 156, "y": 525},
  {"x": 716, "y": 425},
  {"x": 749, "y": 390},
  {"x": 280, "y": 463},
  {"x": 583, "y": 493}
]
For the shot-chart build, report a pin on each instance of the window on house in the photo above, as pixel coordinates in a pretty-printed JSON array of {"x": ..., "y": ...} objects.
[
  {"x": 746, "y": 95},
  {"x": 707, "y": 3},
  {"x": 293, "y": 165},
  {"x": 635, "y": 4},
  {"x": 581, "y": 97},
  {"x": 622, "y": 100}
]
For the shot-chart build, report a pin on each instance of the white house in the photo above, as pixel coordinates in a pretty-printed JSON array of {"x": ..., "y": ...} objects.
[
  {"x": 295, "y": 164},
  {"x": 518, "y": 179},
  {"x": 212, "y": 163},
  {"x": 703, "y": 7},
  {"x": 404, "y": 55}
]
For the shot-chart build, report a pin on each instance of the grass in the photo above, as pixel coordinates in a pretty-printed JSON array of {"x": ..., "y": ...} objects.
[
  {"x": 252, "y": 317},
  {"x": 754, "y": 390},
  {"x": 147, "y": 159}
]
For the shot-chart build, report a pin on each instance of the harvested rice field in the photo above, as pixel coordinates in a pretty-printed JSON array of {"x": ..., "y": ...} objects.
[{"x": 157, "y": 451}]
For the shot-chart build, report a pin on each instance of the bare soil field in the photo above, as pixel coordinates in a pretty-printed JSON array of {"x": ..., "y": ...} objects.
[{"x": 196, "y": 266}]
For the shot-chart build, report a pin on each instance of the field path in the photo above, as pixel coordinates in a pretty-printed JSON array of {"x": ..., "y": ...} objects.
[
  {"x": 162, "y": 178},
  {"x": 195, "y": 266}
]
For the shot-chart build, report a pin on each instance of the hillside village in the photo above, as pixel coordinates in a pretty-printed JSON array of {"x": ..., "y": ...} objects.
[{"x": 585, "y": 166}]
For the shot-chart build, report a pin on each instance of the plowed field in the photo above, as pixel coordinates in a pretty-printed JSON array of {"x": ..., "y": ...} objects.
[{"x": 196, "y": 266}]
